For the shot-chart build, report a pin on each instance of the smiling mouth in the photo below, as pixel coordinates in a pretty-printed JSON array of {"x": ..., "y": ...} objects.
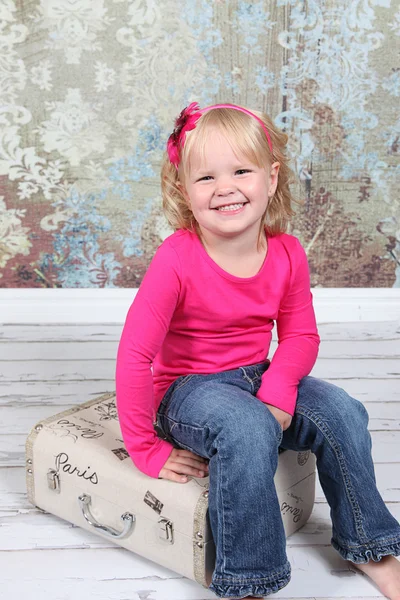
[{"x": 227, "y": 207}]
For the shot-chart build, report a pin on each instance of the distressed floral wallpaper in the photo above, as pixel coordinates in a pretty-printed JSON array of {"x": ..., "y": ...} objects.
[{"x": 88, "y": 93}]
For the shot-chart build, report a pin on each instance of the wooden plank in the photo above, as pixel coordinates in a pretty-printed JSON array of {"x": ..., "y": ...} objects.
[
  {"x": 106, "y": 350},
  {"x": 101, "y": 370},
  {"x": 63, "y": 332},
  {"x": 20, "y": 418},
  {"x": 117, "y": 574},
  {"x": 351, "y": 331},
  {"x": 368, "y": 390},
  {"x": 364, "y": 331},
  {"x": 66, "y": 393},
  {"x": 385, "y": 447},
  {"x": 48, "y": 393},
  {"x": 13, "y": 486},
  {"x": 358, "y": 349},
  {"x": 31, "y": 529},
  {"x": 94, "y": 350}
]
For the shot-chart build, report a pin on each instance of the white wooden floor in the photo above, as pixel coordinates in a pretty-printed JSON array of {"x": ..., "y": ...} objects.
[{"x": 45, "y": 369}]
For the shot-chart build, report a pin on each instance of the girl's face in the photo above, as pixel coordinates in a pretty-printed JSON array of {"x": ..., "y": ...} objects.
[{"x": 227, "y": 179}]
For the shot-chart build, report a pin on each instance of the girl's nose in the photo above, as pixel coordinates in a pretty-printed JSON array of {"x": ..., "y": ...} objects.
[
  {"x": 225, "y": 187},
  {"x": 225, "y": 191}
]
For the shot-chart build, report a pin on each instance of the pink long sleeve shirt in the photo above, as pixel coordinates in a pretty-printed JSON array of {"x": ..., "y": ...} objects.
[{"x": 191, "y": 316}]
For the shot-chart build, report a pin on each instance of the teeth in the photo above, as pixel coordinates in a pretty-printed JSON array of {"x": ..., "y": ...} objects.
[{"x": 231, "y": 207}]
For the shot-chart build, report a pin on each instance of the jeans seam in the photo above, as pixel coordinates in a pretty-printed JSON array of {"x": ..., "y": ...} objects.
[
  {"x": 185, "y": 380},
  {"x": 274, "y": 574},
  {"x": 170, "y": 437},
  {"x": 248, "y": 379},
  {"x": 219, "y": 493},
  {"x": 280, "y": 437},
  {"x": 374, "y": 545},
  {"x": 191, "y": 425},
  {"x": 343, "y": 468}
]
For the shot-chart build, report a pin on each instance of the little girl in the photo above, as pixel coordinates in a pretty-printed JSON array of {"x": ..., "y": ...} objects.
[{"x": 202, "y": 320}]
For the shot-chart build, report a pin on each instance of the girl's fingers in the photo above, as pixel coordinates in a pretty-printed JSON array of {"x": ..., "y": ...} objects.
[
  {"x": 188, "y": 466},
  {"x": 196, "y": 470},
  {"x": 182, "y": 476},
  {"x": 192, "y": 455},
  {"x": 172, "y": 476},
  {"x": 182, "y": 463},
  {"x": 188, "y": 458}
]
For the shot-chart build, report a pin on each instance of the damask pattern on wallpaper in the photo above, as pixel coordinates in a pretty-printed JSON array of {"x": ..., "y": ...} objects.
[{"x": 88, "y": 94}]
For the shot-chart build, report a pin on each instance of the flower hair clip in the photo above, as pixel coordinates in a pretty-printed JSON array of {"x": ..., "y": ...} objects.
[{"x": 185, "y": 122}]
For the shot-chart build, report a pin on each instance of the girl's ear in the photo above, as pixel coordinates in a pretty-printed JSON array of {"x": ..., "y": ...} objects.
[{"x": 273, "y": 178}]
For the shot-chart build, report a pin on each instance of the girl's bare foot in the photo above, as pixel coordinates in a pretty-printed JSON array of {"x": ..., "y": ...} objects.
[{"x": 385, "y": 573}]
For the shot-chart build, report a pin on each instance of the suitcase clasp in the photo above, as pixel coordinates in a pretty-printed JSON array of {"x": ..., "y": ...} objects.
[
  {"x": 53, "y": 480},
  {"x": 166, "y": 530}
]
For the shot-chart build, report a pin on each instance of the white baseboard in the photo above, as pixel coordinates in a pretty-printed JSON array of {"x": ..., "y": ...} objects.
[{"x": 88, "y": 305}]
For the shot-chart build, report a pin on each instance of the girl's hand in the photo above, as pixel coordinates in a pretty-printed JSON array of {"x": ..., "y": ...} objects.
[
  {"x": 181, "y": 463},
  {"x": 283, "y": 418}
]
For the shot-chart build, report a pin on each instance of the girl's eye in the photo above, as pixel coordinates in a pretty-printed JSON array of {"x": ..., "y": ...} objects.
[{"x": 240, "y": 171}]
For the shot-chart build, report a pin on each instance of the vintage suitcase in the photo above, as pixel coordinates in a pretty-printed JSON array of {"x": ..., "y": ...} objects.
[{"x": 78, "y": 469}]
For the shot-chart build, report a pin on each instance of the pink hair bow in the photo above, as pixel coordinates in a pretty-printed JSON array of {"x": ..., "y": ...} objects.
[{"x": 185, "y": 122}]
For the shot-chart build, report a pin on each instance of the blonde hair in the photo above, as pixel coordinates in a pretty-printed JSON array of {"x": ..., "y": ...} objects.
[{"x": 247, "y": 137}]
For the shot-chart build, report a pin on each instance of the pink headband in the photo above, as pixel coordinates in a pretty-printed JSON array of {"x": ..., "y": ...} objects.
[{"x": 187, "y": 121}]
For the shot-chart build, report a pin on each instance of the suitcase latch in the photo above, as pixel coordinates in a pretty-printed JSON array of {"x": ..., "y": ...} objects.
[
  {"x": 166, "y": 531},
  {"x": 53, "y": 480}
]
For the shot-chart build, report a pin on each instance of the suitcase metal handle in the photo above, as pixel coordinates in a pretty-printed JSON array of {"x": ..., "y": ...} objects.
[{"x": 127, "y": 518}]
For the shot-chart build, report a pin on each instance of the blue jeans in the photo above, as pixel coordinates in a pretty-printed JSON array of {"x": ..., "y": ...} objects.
[{"x": 218, "y": 417}]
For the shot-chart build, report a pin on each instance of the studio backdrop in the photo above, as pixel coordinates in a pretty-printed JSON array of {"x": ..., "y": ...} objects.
[{"x": 89, "y": 91}]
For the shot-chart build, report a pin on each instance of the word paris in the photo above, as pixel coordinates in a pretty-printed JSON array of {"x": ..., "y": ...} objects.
[
  {"x": 62, "y": 460},
  {"x": 297, "y": 513}
]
